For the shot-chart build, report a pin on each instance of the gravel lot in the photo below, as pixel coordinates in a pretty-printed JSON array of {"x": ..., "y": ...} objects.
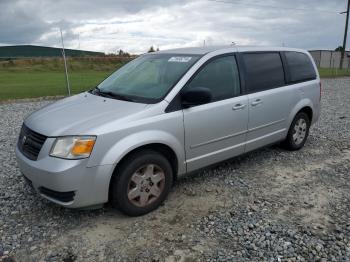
[{"x": 269, "y": 205}]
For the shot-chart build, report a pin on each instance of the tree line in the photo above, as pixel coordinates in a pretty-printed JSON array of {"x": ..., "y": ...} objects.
[{"x": 123, "y": 53}]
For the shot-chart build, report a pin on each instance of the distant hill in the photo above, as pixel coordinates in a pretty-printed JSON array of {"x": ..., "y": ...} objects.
[{"x": 19, "y": 51}]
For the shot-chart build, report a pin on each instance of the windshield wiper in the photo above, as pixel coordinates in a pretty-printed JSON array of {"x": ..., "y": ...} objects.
[
  {"x": 95, "y": 91},
  {"x": 111, "y": 94}
]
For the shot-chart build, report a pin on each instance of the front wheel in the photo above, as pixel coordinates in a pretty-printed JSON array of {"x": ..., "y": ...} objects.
[
  {"x": 142, "y": 183},
  {"x": 298, "y": 132}
]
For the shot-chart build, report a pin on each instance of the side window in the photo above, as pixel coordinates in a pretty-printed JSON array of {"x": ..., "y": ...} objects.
[
  {"x": 263, "y": 71},
  {"x": 220, "y": 76},
  {"x": 300, "y": 67}
]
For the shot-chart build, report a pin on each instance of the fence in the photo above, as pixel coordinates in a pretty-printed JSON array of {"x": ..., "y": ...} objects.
[{"x": 330, "y": 59}]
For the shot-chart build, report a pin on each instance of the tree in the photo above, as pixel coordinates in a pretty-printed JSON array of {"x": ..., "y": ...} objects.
[
  {"x": 339, "y": 49},
  {"x": 151, "y": 49},
  {"x": 123, "y": 53}
]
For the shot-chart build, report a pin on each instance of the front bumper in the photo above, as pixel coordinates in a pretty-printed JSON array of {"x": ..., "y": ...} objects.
[{"x": 69, "y": 183}]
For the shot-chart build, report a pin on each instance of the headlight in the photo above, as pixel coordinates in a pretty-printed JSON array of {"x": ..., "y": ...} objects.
[{"x": 73, "y": 147}]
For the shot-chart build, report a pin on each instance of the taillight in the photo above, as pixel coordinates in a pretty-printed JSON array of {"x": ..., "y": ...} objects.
[{"x": 320, "y": 90}]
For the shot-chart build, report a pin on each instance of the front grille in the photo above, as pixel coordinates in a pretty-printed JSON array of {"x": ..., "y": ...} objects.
[
  {"x": 60, "y": 196},
  {"x": 30, "y": 142}
]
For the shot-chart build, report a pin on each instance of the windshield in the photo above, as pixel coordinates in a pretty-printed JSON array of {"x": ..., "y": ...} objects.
[{"x": 148, "y": 78}]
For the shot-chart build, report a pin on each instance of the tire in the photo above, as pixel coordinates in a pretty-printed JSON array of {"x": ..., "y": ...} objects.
[
  {"x": 295, "y": 139},
  {"x": 141, "y": 183}
]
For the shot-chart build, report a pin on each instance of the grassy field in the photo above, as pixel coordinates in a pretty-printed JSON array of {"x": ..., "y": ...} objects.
[
  {"x": 329, "y": 72},
  {"x": 23, "y": 84},
  {"x": 45, "y": 77}
]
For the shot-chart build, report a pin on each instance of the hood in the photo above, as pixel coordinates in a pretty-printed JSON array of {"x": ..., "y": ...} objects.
[{"x": 79, "y": 114}]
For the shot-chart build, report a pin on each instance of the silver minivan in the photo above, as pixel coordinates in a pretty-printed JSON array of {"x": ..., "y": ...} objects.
[{"x": 163, "y": 115}]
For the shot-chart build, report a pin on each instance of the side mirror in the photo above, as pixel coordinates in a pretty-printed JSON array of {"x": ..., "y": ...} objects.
[{"x": 195, "y": 96}]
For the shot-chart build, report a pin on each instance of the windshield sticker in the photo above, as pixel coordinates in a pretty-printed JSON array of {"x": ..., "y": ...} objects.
[{"x": 180, "y": 59}]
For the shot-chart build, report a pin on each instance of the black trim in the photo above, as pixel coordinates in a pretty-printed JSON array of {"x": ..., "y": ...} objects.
[
  {"x": 302, "y": 81},
  {"x": 175, "y": 106},
  {"x": 285, "y": 68},
  {"x": 59, "y": 196},
  {"x": 242, "y": 73},
  {"x": 30, "y": 142}
]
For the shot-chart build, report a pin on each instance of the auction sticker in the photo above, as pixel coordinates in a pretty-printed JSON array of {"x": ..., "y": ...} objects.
[{"x": 180, "y": 59}]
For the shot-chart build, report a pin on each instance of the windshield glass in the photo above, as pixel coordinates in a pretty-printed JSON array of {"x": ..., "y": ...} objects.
[{"x": 148, "y": 78}]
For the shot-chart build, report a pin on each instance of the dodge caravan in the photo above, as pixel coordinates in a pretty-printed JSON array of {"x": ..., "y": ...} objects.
[{"x": 163, "y": 115}]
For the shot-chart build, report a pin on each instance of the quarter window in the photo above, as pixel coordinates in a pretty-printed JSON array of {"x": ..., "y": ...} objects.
[
  {"x": 263, "y": 71},
  {"x": 300, "y": 67},
  {"x": 220, "y": 76}
]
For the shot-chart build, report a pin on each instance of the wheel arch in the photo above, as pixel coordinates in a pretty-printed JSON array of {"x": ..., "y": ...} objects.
[
  {"x": 308, "y": 111},
  {"x": 160, "y": 148},
  {"x": 304, "y": 105}
]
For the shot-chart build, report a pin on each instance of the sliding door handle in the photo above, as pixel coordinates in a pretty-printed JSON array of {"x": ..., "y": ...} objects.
[
  {"x": 238, "y": 107},
  {"x": 256, "y": 102}
]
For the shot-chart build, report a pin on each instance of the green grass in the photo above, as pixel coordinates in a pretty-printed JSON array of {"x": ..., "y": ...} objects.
[
  {"x": 329, "y": 72},
  {"x": 24, "y": 84},
  {"x": 32, "y": 78}
]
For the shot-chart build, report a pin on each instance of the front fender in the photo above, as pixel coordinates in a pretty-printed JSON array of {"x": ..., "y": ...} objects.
[{"x": 136, "y": 140}]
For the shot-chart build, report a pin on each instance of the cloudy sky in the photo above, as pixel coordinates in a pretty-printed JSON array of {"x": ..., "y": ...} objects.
[{"x": 110, "y": 25}]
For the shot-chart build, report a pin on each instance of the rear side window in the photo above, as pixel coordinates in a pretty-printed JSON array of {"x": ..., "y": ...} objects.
[
  {"x": 263, "y": 71},
  {"x": 220, "y": 76},
  {"x": 300, "y": 67}
]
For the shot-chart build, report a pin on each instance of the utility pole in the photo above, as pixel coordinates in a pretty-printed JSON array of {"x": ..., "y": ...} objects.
[
  {"x": 65, "y": 64},
  {"x": 345, "y": 35}
]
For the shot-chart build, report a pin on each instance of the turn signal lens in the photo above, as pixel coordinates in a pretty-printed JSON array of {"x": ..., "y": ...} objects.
[{"x": 83, "y": 147}]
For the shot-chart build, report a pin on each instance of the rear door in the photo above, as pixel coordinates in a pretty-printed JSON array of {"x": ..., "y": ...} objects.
[
  {"x": 216, "y": 131},
  {"x": 270, "y": 100}
]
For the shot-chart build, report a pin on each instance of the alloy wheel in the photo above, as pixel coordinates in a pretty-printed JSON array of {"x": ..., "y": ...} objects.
[{"x": 146, "y": 185}]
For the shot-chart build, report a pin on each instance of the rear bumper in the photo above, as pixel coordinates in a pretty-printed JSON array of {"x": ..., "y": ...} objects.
[{"x": 69, "y": 183}]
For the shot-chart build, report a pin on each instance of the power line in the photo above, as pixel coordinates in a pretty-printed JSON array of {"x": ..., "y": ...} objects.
[
  {"x": 345, "y": 35},
  {"x": 274, "y": 7}
]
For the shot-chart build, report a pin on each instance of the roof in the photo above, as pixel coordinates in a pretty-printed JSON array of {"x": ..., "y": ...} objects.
[
  {"x": 231, "y": 48},
  {"x": 194, "y": 50}
]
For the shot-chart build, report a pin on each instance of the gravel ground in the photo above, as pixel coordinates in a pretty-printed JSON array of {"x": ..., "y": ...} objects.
[{"x": 268, "y": 205}]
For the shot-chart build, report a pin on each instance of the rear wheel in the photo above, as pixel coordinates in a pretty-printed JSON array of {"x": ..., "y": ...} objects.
[
  {"x": 298, "y": 132},
  {"x": 142, "y": 183}
]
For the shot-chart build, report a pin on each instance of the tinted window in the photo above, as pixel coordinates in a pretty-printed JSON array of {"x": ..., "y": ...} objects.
[
  {"x": 220, "y": 76},
  {"x": 300, "y": 67},
  {"x": 263, "y": 71}
]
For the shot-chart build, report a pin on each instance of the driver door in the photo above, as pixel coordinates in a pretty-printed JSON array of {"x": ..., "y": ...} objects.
[{"x": 217, "y": 130}]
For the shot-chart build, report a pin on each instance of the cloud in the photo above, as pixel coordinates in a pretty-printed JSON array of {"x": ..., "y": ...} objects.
[
  {"x": 109, "y": 25},
  {"x": 19, "y": 26}
]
